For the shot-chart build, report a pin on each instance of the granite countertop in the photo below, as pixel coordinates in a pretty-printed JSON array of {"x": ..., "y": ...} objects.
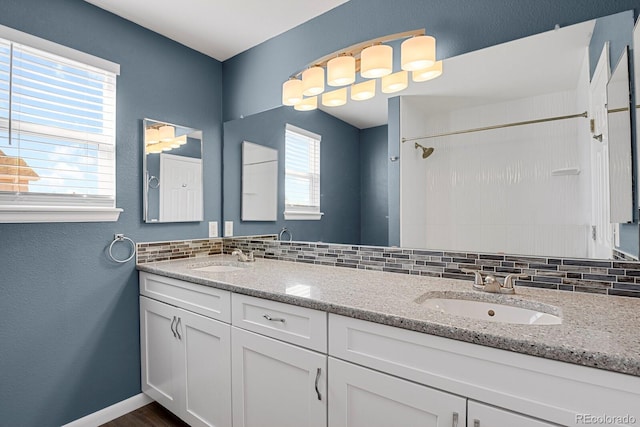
[{"x": 597, "y": 330}]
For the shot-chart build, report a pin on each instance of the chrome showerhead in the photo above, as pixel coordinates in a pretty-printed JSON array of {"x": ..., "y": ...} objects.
[{"x": 426, "y": 151}]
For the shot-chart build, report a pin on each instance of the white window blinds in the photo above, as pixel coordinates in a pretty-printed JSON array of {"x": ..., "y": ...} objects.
[
  {"x": 302, "y": 174},
  {"x": 57, "y": 130}
]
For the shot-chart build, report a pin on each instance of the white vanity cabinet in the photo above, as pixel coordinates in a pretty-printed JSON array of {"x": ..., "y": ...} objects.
[
  {"x": 276, "y": 383},
  {"x": 361, "y": 397},
  {"x": 186, "y": 359},
  {"x": 532, "y": 390}
]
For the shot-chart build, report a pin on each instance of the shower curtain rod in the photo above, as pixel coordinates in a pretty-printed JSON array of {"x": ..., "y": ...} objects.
[{"x": 508, "y": 125}]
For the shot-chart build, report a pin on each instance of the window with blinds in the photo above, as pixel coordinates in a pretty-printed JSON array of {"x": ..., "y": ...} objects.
[
  {"x": 302, "y": 174},
  {"x": 57, "y": 133}
]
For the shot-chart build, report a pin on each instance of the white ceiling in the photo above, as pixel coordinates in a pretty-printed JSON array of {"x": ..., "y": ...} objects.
[{"x": 218, "y": 28}]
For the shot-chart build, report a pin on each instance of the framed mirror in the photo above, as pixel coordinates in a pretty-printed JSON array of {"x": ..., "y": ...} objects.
[
  {"x": 259, "y": 182},
  {"x": 172, "y": 179}
]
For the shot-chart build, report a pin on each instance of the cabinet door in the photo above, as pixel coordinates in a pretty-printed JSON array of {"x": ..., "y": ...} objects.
[
  {"x": 274, "y": 383},
  {"x": 360, "y": 397},
  {"x": 204, "y": 370},
  {"x": 480, "y": 415},
  {"x": 158, "y": 343}
]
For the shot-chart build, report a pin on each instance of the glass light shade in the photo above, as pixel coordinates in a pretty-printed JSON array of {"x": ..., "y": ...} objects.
[
  {"x": 166, "y": 133},
  {"x": 364, "y": 90},
  {"x": 291, "y": 92},
  {"x": 151, "y": 136},
  {"x": 428, "y": 73},
  {"x": 376, "y": 61},
  {"x": 341, "y": 71},
  {"x": 335, "y": 98},
  {"x": 418, "y": 53},
  {"x": 313, "y": 81},
  {"x": 395, "y": 82},
  {"x": 307, "y": 104},
  {"x": 181, "y": 140}
]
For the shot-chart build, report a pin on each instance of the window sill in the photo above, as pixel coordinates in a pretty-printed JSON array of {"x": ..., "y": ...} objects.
[
  {"x": 29, "y": 214},
  {"x": 305, "y": 216}
]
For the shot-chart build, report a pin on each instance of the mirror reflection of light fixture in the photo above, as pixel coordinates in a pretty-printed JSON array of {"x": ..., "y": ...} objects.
[
  {"x": 157, "y": 140},
  {"x": 428, "y": 73},
  {"x": 335, "y": 98},
  {"x": 364, "y": 90},
  {"x": 373, "y": 59},
  {"x": 376, "y": 61},
  {"x": 341, "y": 70},
  {"x": 166, "y": 133},
  {"x": 152, "y": 136},
  {"x": 307, "y": 104},
  {"x": 395, "y": 82}
]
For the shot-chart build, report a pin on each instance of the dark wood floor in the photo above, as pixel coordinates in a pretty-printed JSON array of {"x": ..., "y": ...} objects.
[{"x": 150, "y": 415}]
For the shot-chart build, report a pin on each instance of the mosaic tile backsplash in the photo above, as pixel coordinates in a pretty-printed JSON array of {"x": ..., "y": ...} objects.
[
  {"x": 610, "y": 277},
  {"x": 177, "y": 249}
]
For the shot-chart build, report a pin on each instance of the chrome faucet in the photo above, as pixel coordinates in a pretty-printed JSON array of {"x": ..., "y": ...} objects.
[
  {"x": 243, "y": 257},
  {"x": 491, "y": 284}
]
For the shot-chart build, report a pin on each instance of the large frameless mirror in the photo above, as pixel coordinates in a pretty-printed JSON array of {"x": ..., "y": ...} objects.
[{"x": 172, "y": 172}]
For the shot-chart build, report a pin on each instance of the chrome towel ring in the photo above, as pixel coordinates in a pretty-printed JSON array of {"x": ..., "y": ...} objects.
[
  {"x": 284, "y": 231},
  {"x": 122, "y": 238}
]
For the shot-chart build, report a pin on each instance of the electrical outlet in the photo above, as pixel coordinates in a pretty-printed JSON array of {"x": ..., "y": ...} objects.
[
  {"x": 228, "y": 228},
  {"x": 213, "y": 228}
]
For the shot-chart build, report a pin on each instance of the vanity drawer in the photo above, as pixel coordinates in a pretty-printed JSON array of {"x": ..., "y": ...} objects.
[
  {"x": 297, "y": 325},
  {"x": 205, "y": 300}
]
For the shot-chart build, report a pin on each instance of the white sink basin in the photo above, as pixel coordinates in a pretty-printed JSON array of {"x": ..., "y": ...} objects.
[{"x": 491, "y": 311}]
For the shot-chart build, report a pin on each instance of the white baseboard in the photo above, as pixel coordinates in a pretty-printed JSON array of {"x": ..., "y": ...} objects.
[{"x": 111, "y": 412}]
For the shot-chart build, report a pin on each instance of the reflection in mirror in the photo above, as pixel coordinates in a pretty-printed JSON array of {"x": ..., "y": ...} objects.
[
  {"x": 620, "y": 155},
  {"x": 172, "y": 173},
  {"x": 530, "y": 185},
  {"x": 259, "y": 182}
]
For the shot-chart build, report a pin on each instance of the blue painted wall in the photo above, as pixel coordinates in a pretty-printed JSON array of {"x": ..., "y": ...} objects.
[
  {"x": 460, "y": 26},
  {"x": 374, "y": 203},
  {"x": 339, "y": 174},
  {"x": 68, "y": 316}
]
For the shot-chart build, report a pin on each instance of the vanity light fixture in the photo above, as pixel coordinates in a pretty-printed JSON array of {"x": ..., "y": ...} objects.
[
  {"x": 373, "y": 59},
  {"x": 341, "y": 70},
  {"x": 376, "y": 61},
  {"x": 335, "y": 98},
  {"x": 418, "y": 53},
  {"x": 313, "y": 81},
  {"x": 428, "y": 73},
  {"x": 292, "y": 91},
  {"x": 307, "y": 104}
]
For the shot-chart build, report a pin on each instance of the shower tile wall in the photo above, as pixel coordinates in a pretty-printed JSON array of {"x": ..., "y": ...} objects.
[{"x": 496, "y": 190}]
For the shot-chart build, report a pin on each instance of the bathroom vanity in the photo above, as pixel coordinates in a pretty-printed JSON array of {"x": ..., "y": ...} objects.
[{"x": 274, "y": 343}]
